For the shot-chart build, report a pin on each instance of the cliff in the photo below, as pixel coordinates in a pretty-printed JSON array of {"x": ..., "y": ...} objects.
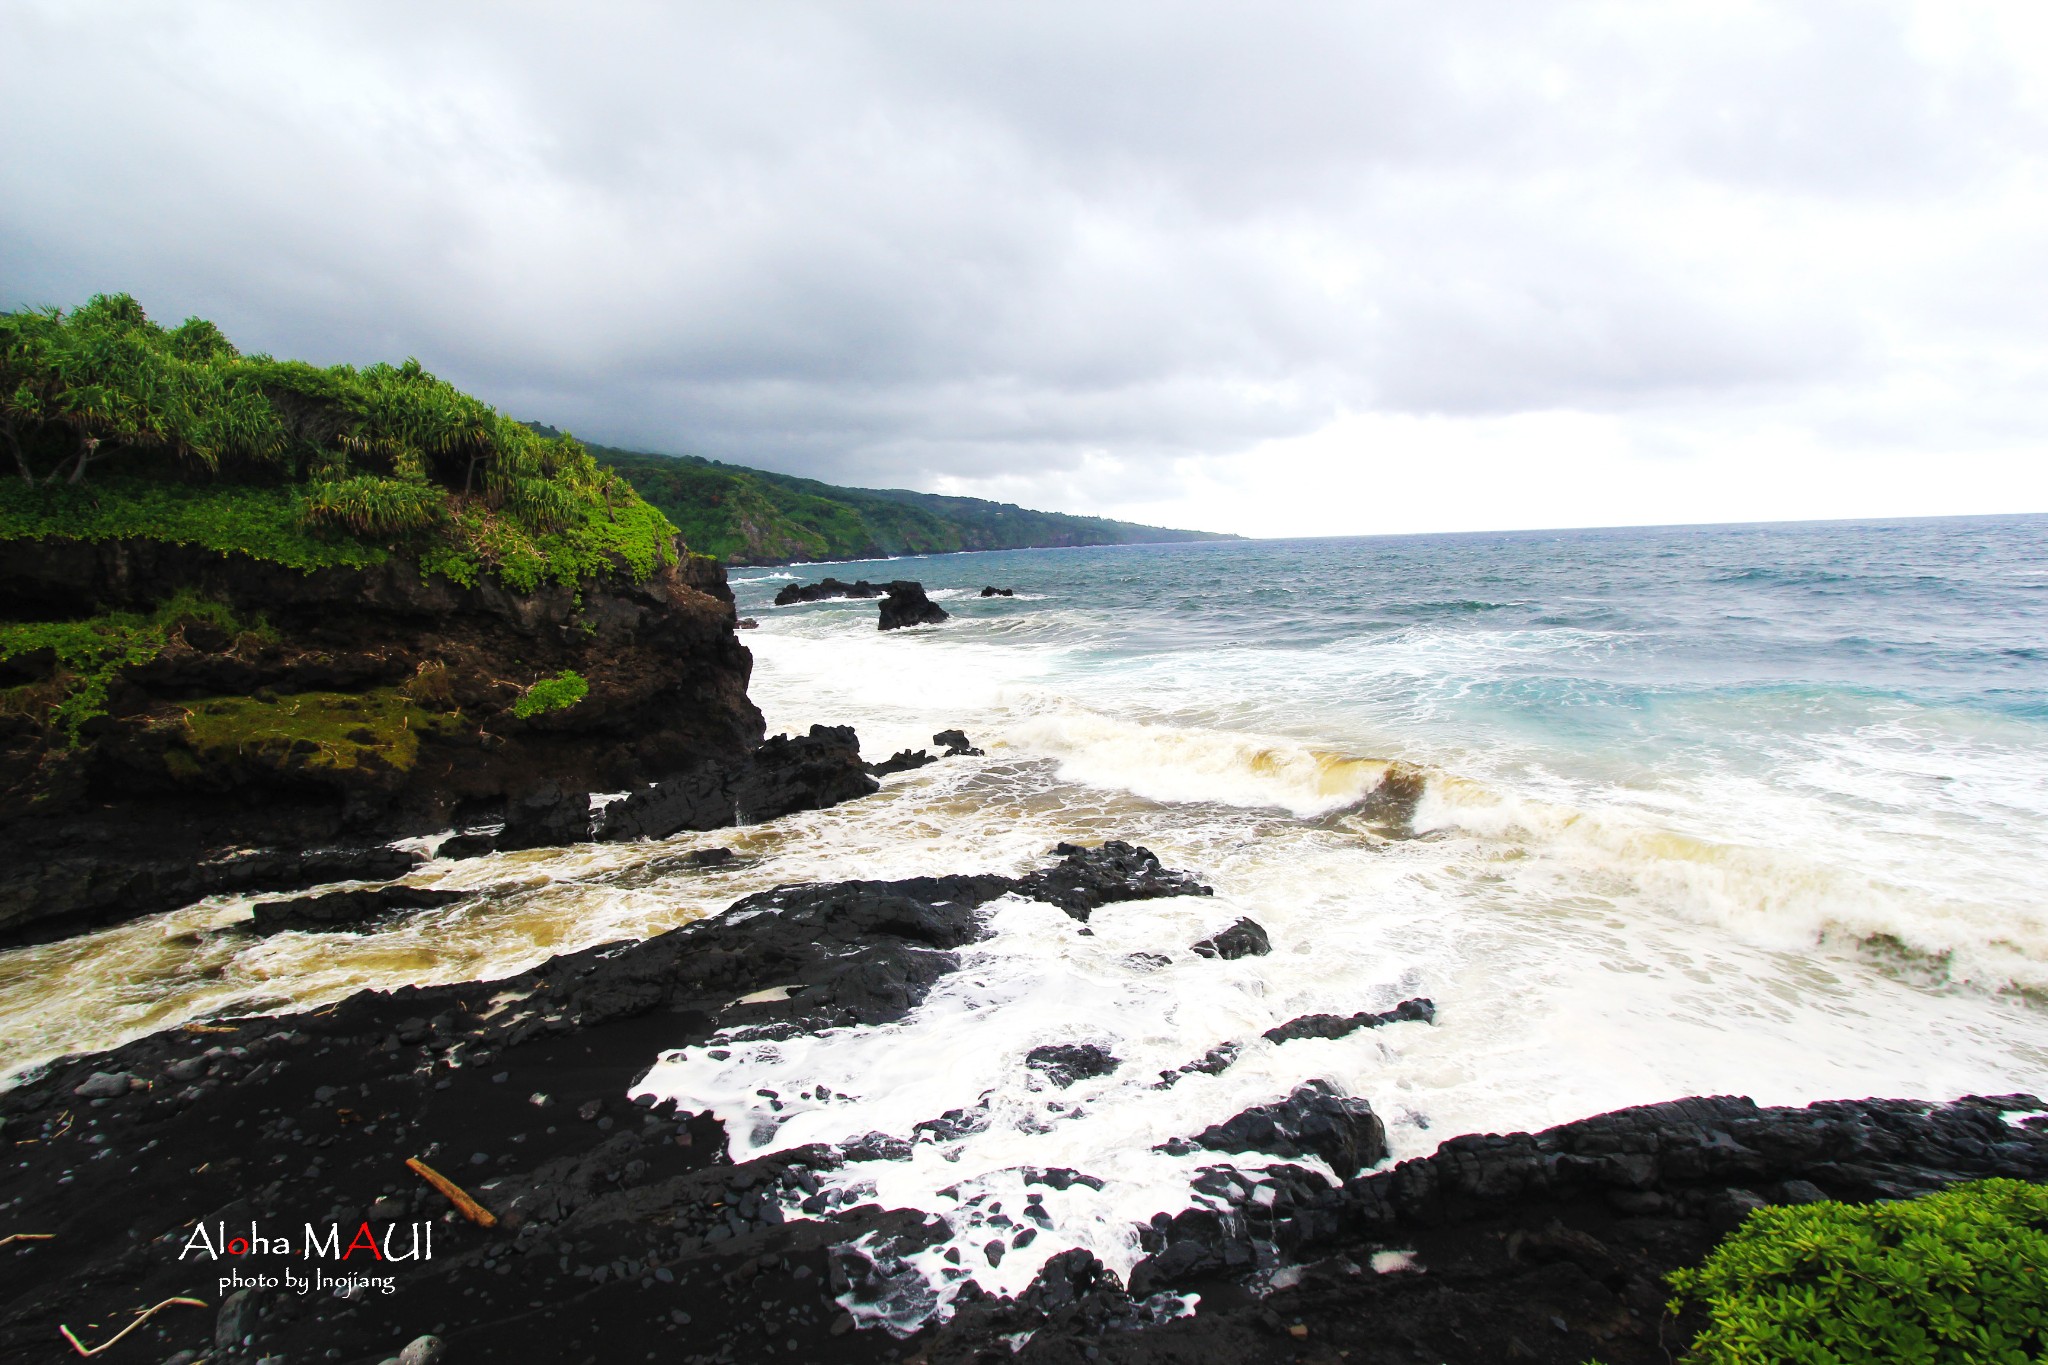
[{"x": 311, "y": 611}]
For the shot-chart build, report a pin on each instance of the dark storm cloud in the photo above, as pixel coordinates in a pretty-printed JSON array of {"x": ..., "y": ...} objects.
[{"x": 888, "y": 243}]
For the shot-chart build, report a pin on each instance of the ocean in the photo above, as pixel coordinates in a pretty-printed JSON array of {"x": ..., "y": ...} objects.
[{"x": 1704, "y": 810}]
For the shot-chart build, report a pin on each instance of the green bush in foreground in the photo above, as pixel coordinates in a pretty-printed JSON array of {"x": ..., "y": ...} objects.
[
  {"x": 558, "y": 693},
  {"x": 1958, "y": 1276}
]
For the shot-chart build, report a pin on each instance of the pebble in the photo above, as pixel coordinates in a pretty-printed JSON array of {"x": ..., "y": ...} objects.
[{"x": 422, "y": 1351}]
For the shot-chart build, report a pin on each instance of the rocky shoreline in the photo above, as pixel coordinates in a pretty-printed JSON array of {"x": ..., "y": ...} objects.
[{"x": 624, "y": 1231}]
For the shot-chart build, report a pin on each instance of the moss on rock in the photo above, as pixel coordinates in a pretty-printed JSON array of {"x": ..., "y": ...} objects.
[{"x": 311, "y": 733}]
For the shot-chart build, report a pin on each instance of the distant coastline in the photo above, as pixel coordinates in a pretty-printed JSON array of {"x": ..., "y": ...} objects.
[{"x": 756, "y": 517}]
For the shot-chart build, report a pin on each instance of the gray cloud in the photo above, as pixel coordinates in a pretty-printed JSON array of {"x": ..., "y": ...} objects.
[{"x": 895, "y": 243}]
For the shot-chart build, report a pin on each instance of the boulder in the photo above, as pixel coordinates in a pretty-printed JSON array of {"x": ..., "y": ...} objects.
[
  {"x": 1246, "y": 938},
  {"x": 783, "y": 774},
  {"x": 956, "y": 744},
  {"x": 1313, "y": 1121},
  {"x": 907, "y": 606},
  {"x": 1088, "y": 878},
  {"x": 1065, "y": 1063},
  {"x": 998, "y": 592}
]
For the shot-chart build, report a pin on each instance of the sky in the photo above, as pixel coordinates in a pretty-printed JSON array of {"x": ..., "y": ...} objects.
[{"x": 1303, "y": 269}]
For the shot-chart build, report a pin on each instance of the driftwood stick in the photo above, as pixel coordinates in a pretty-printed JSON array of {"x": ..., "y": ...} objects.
[
  {"x": 473, "y": 1211},
  {"x": 144, "y": 1316},
  {"x": 26, "y": 1237}
]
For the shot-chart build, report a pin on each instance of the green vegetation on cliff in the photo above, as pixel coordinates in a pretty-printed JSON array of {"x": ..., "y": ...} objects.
[
  {"x": 78, "y": 659},
  {"x": 116, "y": 427},
  {"x": 753, "y": 516}
]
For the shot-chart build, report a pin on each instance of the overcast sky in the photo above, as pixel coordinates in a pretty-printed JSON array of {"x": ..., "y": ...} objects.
[{"x": 1282, "y": 269}]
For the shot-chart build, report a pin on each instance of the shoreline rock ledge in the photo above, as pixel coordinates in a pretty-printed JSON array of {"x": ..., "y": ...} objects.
[
  {"x": 356, "y": 706},
  {"x": 624, "y": 1230}
]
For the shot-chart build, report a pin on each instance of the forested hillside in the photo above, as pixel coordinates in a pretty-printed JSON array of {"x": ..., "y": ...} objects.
[{"x": 754, "y": 516}]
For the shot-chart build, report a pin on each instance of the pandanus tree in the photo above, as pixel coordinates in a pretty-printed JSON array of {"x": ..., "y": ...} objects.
[
  {"x": 104, "y": 379},
  {"x": 386, "y": 451}
]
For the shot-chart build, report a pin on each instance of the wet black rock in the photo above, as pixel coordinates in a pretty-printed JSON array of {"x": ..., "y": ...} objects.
[
  {"x": 1065, "y": 1063},
  {"x": 998, "y": 592},
  {"x": 1313, "y": 1121},
  {"x": 1087, "y": 878},
  {"x": 1391, "y": 805},
  {"x": 709, "y": 857},
  {"x": 783, "y": 774},
  {"x": 1214, "y": 1062},
  {"x": 956, "y": 744},
  {"x": 1418, "y": 1010},
  {"x": 748, "y": 623},
  {"x": 81, "y": 890},
  {"x": 907, "y": 605},
  {"x": 642, "y": 1205},
  {"x": 902, "y": 761},
  {"x": 809, "y": 772},
  {"x": 1246, "y": 938},
  {"x": 827, "y": 588},
  {"x": 347, "y": 909},
  {"x": 597, "y": 1200},
  {"x": 1060, "y": 1178}
]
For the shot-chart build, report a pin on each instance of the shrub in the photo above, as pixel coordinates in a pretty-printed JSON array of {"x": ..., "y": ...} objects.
[
  {"x": 1958, "y": 1276},
  {"x": 558, "y": 693}
]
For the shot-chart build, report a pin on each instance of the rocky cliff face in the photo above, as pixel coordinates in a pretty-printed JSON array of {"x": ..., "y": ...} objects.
[{"x": 339, "y": 709}]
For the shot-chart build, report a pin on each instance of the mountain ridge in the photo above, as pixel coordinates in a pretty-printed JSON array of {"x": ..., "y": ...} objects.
[{"x": 748, "y": 516}]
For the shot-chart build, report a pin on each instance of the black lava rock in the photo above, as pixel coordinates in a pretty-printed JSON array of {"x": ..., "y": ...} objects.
[
  {"x": 902, "y": 761},
  {"x": 998, "y": 592},
  {"x": 1087, "y": 878},
  {"x": 784, "y": 774},
  {"x": 956, "y": 744},
  {"x": 1246, "y": 938},
  {"x": 827, "y": 588},
  {"x": 347, "y": 909},
  {"x": 1313, "y": 1121},
  {"x": 1338, "y": 1025},
  {"x": 1065, "y": 1063},
  {"x": 907, "y": 605}
]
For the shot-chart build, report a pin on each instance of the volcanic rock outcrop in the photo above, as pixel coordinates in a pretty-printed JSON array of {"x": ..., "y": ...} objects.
[{"x": 357, "y": 706}]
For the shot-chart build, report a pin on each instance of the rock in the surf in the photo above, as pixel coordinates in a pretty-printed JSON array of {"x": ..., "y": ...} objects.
[
  {"x": 1418, "y": 1010},
  {"x": 1088, "y": 878},
  {"x": 907, "y": 605},
  {"x": 1390, "y": 806},
  {"x": 956, "y": 744},
  {"x": 347, "y": 909},
  {"x": 781, "y": 775},
  {"x": 1065, "y": 1063},
  {"x": 1313, "y": 1121},
  {"x": 1246, "y": 938},
  {"x": 902, "y": 761},
  {"x": 827, "y": 588},
  {"x": 998, "y": 592}
]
